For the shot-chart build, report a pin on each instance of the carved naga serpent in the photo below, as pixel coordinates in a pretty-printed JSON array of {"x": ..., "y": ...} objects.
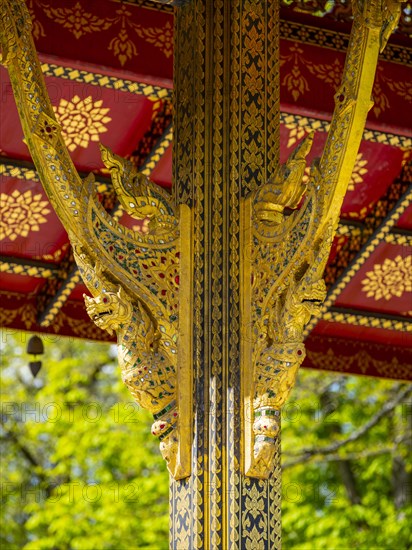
[
  {"x": 285, "y": 251},
  {"x": 134, "y": 278},
  {"x": 135, "y": 293}
]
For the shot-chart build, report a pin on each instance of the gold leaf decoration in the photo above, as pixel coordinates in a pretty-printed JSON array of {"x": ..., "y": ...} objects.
[
  {"x": 402, "y": 89},
  {"x": 82, "y": 121},
  {"x": 160, "y": 37},
  {"x": 391, "y": 278},
  {"x": 328, "y": 73},
  {"x": 123, "y": 47},
  {"x": 38, "y": 29},
  {"x": 21, "y": 213},
  {"x": 295, "y": 82},
  {"x": 77, "y": 20},
  {"x": 359, "y": 171}
]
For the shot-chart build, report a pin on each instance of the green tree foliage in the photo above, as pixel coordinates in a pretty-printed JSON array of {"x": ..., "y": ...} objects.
[
  {"x": 81, "y": 471},
  {"x": 346, "y": 446}
]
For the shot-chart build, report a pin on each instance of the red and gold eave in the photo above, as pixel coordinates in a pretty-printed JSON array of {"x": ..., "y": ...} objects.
[{"x": 109, "y": 75}]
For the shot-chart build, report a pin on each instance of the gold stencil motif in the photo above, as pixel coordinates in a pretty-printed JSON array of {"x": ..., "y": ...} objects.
[
  {"x": 400, "y": 88},
  {"x": 161, "y": 37},
  {"x": 389, "y": 279},
  {"x": 82, "y": 121},
  {"x": 38, "y": 29},
  {"x": 363, "y": 360},
  {"x": 330, "y": 73},
  {"x": 21, "y": 213},
  {"x": 80, "y": 22},
  {"x": 358, "y": 172},
  {"x": 27, "y": 313},
  {"x": 294, "y": 81},
  {"x": 77, "y": 20}
]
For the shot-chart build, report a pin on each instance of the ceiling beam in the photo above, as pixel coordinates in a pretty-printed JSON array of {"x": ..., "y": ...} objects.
[
  {"x": 151, "y": 91},
  {"x": 29, "y": 268},
  {"x": 368, "y": 319},
  {"x": 312, "y": 124}
]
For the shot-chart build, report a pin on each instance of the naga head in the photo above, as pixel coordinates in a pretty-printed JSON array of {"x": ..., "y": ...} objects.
[
  {"x": 294, "y": 309},
  {"x": 109, "y": 310},
  {"x": 287, "y": 188}
]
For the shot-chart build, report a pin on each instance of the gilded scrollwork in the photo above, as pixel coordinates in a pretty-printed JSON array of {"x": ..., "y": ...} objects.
[{"x": 134, "y": 278}]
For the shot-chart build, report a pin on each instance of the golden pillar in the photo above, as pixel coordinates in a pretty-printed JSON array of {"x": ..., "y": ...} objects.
[{"x": 226, "y": 144}]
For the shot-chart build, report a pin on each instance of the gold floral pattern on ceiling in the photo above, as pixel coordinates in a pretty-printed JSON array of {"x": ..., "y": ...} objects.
[
  {"x": 82, "y": 121},
  {"x": 80, "y": 22},
  {"x": 26, "y": 313},
  {"x": 297, "y": 83},
  {"x": 359, "y": 170},
  {"x": 162, "y": 38},
  {"x": 389, "y": 279},
  {"x": 38, "y": 29},
  {"x": 77, "y": 20},
  {"x": 361, "y": 360},
  {"x": 21, "y": 213},
  {"x": 381, "y": 100}
]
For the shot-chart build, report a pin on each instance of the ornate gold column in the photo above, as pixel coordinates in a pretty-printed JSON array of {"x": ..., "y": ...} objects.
[{"x": 226, "y": 144}]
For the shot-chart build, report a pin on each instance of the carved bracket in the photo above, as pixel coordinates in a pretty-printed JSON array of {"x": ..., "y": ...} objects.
[
  {"x": 283, "y": 259},
  {"x": 152, "y": 316},
  {"x": 284, "y": 250}
]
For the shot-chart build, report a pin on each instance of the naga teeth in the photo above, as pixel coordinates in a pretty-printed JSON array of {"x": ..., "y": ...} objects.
[{"x": 98, "y": 315}]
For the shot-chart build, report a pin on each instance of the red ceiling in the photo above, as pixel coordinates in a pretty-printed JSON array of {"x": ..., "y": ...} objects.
[{"x": 114, "y": 67}]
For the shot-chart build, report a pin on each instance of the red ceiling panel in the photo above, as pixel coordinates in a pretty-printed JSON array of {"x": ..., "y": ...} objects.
[
  {"x": 88, "y": 114},
  {"x": 358, "y": 333},
  {"x": 108, "y": 44},
  {"x": 30, "y": 227},
  {"x": 22, "y": 284},
  {"x": 384, "y": 282},
  {"x": 162, "y": 173}
]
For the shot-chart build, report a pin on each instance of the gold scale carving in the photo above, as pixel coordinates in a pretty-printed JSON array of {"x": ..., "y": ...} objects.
[{"x": 141, "y": 285}]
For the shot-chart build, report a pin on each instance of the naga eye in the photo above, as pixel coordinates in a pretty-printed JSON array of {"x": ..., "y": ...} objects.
[{"x": 105, "y": 300}]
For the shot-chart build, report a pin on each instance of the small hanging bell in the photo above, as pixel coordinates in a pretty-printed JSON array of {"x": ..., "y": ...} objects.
[
  {"x": 35, "y": 347},
  {"x": 34, "y": 367}
]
